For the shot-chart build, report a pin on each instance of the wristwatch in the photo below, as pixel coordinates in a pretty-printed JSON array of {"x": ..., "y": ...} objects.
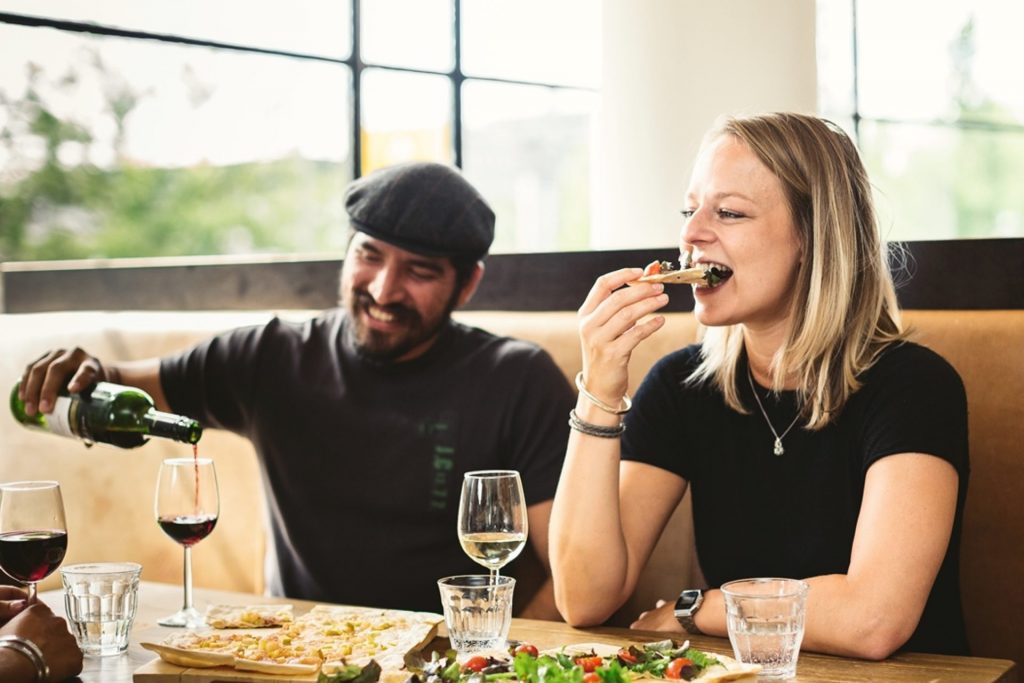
[{"x": 687, "y": 605}]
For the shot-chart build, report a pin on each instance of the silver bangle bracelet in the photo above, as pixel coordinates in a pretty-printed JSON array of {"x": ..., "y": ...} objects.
[
  {"x": 627, "y": 402},
  {"x": 591, "y": 429},
  {"x": 29, "y": 650}
]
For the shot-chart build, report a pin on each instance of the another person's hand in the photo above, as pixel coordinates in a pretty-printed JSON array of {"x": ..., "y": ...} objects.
[
  {"x": 43, "y": 377},
  {"x": 661, "y": 618},
  {"x": 51, "y": 635},
  {"x": 611, "y": 325},
  {"x": 12, "y": 602}
]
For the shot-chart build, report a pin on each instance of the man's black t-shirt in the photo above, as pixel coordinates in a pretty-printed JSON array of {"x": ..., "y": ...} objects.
[
  {"x": 794, "y": 515},
  {"x": 362, "y": 461}
]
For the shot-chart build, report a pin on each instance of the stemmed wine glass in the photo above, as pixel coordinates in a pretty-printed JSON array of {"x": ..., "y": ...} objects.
[
  {"x": 187, "y": 506},
  {"x": 492, "y": 518},
  {"x": 33, "y": 533}
]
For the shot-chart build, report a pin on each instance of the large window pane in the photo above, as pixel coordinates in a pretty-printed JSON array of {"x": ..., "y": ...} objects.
[
  {"x": 116, "y": 147},
  {"x": 533, "y": 40},
  {"x": 959, "y": 59},
  {"x": 405, "y": 117},
  {"x": 309, "y": 26},
  {"x": 411, "y": 33},
  {"x": 834, "y": 38},
  {"x": 938, "y": 182},
  {"x": 528, "y": 150}
]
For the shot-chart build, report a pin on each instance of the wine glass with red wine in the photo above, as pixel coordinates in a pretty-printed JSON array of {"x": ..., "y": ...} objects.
[
  {"x": 187, "y": 505},
  {"x": 33, "y": 534}
]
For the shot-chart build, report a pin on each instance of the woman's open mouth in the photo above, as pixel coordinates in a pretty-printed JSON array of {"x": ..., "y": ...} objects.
[{"x": 714, "y": 275}]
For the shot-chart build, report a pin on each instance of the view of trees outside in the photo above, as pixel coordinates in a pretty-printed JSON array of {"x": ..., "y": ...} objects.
[
  {"x": 91, "y": 168},
  {"x": 117, "y": 147},
  {"x": 942, "y": 111},
  {"x": 127, "y": 147}
]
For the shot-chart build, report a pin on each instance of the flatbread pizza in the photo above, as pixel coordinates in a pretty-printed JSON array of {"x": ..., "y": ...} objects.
[
  {"x": 327, "y": 638},
  {"x": 669, "y": 272},
  {"x": 248, "y": 616},
  {"x": 200, "y": 650},
  {"x": 356, "y": 635},
  {"x": 280, "y": 653}
]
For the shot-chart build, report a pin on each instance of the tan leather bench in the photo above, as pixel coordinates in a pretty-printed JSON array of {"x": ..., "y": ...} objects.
[{"x": 109, "y": 493}]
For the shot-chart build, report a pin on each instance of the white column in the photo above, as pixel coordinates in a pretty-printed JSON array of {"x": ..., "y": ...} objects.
[{"x": 670, "y": 68}]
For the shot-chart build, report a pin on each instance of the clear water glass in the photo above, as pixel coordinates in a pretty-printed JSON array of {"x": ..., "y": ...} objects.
[
  {"x": 765, "y": 618},
  {"x": 100, "y": 600},
  {"x": 477, "y": 611}
]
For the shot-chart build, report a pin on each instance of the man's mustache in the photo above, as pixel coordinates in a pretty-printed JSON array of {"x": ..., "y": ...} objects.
[{"x": 363, "y": 299}]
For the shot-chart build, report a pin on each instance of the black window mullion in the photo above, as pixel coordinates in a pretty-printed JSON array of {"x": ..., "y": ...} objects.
[
  {"x": 457, "y": 78},
  {"x": 357, "y": 93},
  {"x": 856, "y": 76},
  {"x": 101, "y": 30}
]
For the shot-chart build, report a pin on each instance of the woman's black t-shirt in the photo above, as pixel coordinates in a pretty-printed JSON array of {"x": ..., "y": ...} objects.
[{"x": 794, "y": 515}]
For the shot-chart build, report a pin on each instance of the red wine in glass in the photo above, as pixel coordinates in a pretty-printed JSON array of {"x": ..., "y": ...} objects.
[
  {"x": 33, "y": 533},
  {"x": 188, "y": 529},
  {"x": 30, "y": 556},
  {"x": 187, "y": 506}
]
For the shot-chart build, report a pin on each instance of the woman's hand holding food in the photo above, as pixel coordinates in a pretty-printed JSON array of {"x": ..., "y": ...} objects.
[{"x": 612, "y": 322}]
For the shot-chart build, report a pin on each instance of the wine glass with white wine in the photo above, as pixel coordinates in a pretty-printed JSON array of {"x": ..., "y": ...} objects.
[{"x": 492, "y": 518}]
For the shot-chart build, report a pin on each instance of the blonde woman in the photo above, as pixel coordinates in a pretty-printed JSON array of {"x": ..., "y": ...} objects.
[{"x": 818, "y": 442}]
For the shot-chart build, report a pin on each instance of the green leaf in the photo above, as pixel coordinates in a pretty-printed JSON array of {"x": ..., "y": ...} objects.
[
  {"x": 702, "y": 659},
  {"x": 352, "y": 674}
]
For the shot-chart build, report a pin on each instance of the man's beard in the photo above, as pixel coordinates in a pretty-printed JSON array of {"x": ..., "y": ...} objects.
[{"x": 383, "y": 347}]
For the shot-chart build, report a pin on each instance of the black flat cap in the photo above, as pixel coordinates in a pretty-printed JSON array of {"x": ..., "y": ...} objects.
[{"x": 424, "y": 207}]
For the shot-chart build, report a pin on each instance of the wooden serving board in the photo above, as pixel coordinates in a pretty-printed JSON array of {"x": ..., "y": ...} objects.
[{"x": 159, "y": 671}]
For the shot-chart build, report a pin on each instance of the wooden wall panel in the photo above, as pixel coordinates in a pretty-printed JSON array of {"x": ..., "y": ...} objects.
[{"x": 955, "y": 274}]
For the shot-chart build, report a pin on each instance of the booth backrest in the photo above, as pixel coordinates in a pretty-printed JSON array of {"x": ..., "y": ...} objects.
[{"x": 109, "y": 493}]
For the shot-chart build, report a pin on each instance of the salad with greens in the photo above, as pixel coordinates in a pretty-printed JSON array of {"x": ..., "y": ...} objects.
[{"x": 525, "y": 664}]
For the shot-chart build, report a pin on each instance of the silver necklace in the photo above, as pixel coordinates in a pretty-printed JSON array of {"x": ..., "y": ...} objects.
[{"x": 778, "y": 449}]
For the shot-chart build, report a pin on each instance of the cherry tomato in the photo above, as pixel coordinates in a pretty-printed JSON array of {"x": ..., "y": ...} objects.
[
  {"x": 589, "y": 664},
  {"x": 653, "y": 268},
  {"x": 626, "y": 657},
  {"x": 475, "y": 664},
  {"x": 676, "y": 666},
  {"x": 528, "y": 649},
  {"x": 591, "y": 678}
]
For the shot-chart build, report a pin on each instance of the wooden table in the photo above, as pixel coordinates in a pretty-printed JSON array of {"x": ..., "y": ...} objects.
[{"x": 157, "y": 600}]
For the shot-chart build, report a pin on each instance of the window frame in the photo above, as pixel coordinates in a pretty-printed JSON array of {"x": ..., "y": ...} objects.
[
  {"x": 856, "y": 117},
  {"x": 354, "y": 62}
]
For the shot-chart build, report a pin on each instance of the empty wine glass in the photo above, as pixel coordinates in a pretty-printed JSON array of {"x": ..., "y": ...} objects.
[
  {"x": 187, "y": 506},
  {"x": 492, "y": 517},
  {"x": 33, "y": 533}
]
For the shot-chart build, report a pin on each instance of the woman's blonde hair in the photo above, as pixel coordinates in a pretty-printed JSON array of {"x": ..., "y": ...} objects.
[{"x": 843, "y": 308}]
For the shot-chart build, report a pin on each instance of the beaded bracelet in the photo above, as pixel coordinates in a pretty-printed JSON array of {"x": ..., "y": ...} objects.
[
  {"x": 31, "y": 651},
  {"x": 592, "y": 429},
  {"x": 627, "y": 402}
]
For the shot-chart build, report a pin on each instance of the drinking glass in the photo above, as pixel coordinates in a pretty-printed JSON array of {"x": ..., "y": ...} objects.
[
  {"x": 33, "y": 533},
  {"x": 187, "y": 506},
  {"x": 477, "y": 610},
  {"x": 492, "y": 518},
  {"x": 765, "y": 619}
]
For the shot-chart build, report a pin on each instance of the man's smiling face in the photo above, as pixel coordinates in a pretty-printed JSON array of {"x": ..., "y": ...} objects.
[{"x": 397, "y": 300}]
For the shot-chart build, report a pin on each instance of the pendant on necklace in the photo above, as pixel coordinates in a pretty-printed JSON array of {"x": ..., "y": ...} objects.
[{"x": 778, "y": 450}]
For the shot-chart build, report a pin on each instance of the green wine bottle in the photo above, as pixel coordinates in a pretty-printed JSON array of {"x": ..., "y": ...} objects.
[{"x": 110, "y": 413}]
